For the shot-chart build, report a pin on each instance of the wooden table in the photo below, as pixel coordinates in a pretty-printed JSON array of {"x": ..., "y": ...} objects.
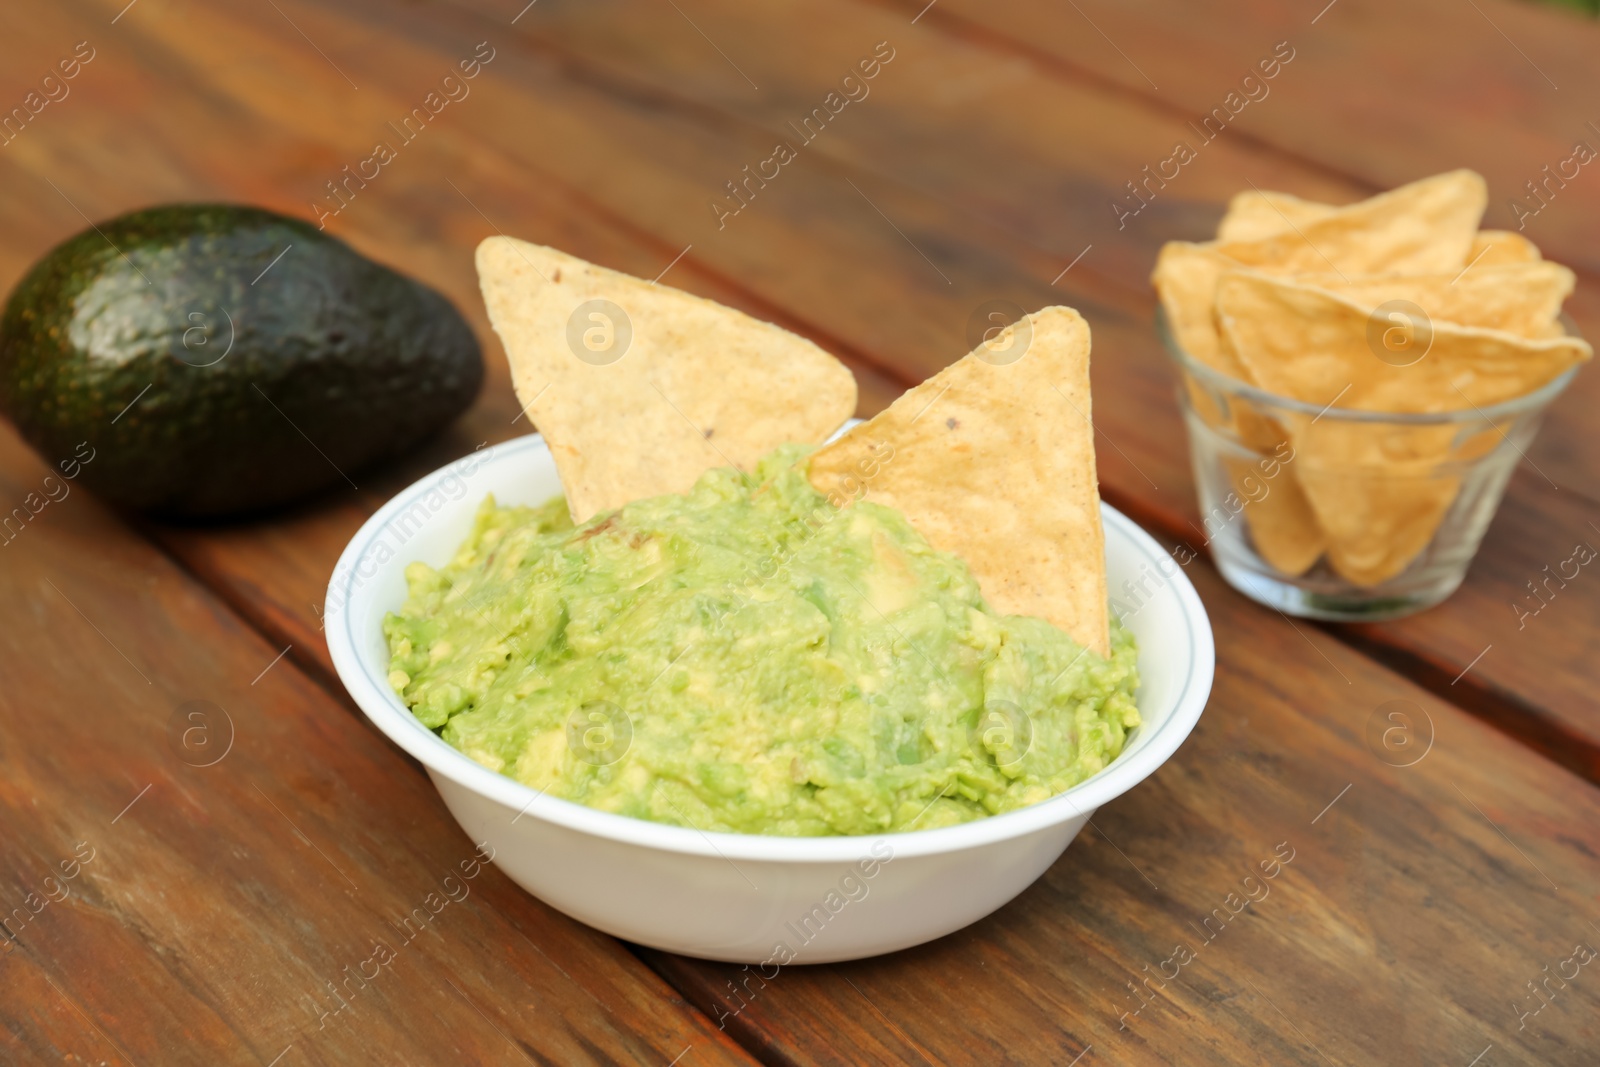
[{"x": 1427, "y": 908}]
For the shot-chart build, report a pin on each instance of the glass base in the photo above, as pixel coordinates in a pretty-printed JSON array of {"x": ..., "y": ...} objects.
[{"x": 1392, "y": 600}]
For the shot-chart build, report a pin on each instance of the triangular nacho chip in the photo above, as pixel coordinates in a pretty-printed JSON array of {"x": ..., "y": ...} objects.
[
  {"x": 1185, "y": 278},
  {"x": 993, "y": 460},
  {"x": 1427, "y": 226},
  {"x": 1520, "y": 298},
  {"x": 1424, "y": 226},
  {"x": 1281, "y": 524},
  {"x": 640, "y": 388},
  {"x": 1496, "y": 248},
  {"x": 1379, "y": 490},
  {"x": 1283, "y": 527},
  {"x": 1257, "y": 213},
  {"x": 1312, "y": 345}
]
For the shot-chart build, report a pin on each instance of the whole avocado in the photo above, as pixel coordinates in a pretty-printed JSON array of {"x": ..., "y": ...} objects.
[{"x": 221, "y": 359}]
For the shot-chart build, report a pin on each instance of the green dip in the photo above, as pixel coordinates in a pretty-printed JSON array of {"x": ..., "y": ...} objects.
[{"x": 747, "y": 657}]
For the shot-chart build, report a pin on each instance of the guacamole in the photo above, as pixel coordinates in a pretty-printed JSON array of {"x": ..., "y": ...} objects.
[{"x": 748, "y": 657}]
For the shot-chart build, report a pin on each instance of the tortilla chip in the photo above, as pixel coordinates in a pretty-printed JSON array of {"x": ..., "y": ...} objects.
[
  {"x": 1497, "y": 248},
  {"x": 1520, "y": 298},
  {"x": 1185, "y": 278},
  {"x": 1258, "y": 213},
  {"x": 1423, "y": 239},
  {"x": 1378, "y": 490},
  {"x": 1427, "y": 226},
  {"x": 1254, "y": 214},
  {"x": 697, "y": 386},
  {"x": 994, "y": 461},
  {"x": 1312, "y": 345},
  {"x": 1275, "y": 510},
  {"x": 1281, "y": 524},
  {"x": 1283, "y": 528}
]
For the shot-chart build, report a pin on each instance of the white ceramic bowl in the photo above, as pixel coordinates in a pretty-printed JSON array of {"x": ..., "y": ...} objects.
[{"x": 743, "y": 897}]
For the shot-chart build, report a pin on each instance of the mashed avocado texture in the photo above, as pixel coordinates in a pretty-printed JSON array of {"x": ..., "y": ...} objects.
[{"x": 748, "y": 657}]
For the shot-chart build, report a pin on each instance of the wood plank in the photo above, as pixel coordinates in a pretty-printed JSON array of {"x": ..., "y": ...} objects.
[
  {"x": 1517, "y": 643},
  {"x": 1505, "y": 88},
  {"x": 52, "y": 1026},
  {"x": 174, "y": 912},
  {"x": 1039, "y": 155}
]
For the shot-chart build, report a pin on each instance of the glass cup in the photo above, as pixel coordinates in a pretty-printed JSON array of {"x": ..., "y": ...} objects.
[{"x": 1333, "y": 513}]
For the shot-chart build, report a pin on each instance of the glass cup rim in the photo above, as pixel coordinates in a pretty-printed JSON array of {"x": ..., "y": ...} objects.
[{"x": 1517, "y": 405}]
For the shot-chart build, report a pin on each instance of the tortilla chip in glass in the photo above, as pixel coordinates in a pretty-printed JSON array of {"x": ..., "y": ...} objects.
[
  {"x": 1520, "y": 298},
  {"x": 1378, "y": 489},
  {"x": 1256, "y": 213}
]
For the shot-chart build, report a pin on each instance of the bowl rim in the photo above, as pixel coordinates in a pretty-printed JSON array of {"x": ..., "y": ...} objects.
[
  {"x": 1517, "y": 405},
  {"x": 394, "y": 721}
]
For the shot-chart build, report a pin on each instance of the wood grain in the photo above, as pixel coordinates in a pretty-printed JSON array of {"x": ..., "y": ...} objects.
[
  {"x": 191, "y": 902},
  {"x": 1379, "y": 92},
  {"x": 1525, "y": 636}
]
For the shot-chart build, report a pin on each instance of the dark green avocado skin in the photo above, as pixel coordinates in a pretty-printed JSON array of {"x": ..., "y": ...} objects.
[{"x": 207, "y": 388}]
